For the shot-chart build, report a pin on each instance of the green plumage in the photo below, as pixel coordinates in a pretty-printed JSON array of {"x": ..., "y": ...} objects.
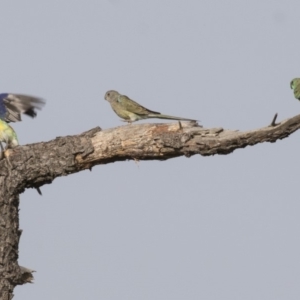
[
  {"x": 8, "y": 135},
  {"x": 131, "y": 111},
  {"x": 295, "y": 85}
]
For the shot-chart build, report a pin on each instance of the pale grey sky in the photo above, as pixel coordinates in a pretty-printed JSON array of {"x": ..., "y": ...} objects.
[{"x": 222, "y": 227}]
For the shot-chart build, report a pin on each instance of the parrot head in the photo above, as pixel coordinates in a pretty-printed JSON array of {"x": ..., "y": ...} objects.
[
  {"x": 295, "y": 85},
  {"x": 111, "y": 95}
]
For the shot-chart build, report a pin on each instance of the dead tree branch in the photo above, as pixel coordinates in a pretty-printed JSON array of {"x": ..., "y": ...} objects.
[{"x": 34, "y": 165}]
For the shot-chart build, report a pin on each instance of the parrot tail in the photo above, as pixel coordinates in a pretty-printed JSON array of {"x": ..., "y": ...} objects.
[{"x": 166, "y": 117}]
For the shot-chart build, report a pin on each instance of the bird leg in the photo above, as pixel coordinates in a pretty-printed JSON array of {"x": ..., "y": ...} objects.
[
  {"x": 7, "y": 158},
  {"x": 128, "y": 122}
]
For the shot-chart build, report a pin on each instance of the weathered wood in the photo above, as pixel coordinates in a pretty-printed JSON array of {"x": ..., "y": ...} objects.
[{"x": 34, "y": 165}]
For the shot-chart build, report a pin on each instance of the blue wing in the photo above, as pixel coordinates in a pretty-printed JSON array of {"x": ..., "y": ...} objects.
[
  {"x": 3, "y": 109},
  {"x": 13, "y": 105}
]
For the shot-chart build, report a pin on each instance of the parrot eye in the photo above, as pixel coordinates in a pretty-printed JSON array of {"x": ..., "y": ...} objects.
[{"x": 108, "y": 94}]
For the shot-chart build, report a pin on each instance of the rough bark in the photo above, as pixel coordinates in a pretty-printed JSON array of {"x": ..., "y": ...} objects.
[{"x": 34, "y": 165}]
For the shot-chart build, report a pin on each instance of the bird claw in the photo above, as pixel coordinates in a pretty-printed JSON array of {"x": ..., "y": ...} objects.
[{"x": 128, "y": 122}]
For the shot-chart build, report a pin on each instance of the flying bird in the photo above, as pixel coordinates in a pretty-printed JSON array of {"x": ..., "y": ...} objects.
[
  {"x": 295, "y": 85},
  {"x": 11, "y": 108},
  {"x": 131, "y": 111}
]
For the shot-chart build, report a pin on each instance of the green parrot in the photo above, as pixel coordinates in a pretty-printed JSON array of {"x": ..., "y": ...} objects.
[
  {"x": 295, "y": 85},
  {"x": 131, "y": 111},
  {"x": 11, "y": 108}
]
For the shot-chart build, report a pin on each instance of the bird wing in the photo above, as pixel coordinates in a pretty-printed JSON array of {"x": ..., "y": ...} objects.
[
  {"x": 3, "y": 109},
  {"x": 134, "y": 107},
  {"x": 13, "y": 105}
]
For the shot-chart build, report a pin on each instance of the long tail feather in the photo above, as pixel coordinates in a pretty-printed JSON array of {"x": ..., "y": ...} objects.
[{"x": 160, "y": 116}]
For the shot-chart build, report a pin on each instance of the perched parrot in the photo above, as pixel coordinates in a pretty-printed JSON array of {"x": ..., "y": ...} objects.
[
  {"x": 131, "y": 111},
  {"x": 11, "y": 108},
  {"x": 295, "y": 85}
]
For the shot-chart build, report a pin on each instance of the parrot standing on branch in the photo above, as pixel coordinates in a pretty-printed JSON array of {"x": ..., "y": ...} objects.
[
  {"x": 131, "y": 111},
  {"x": 295, "y": 85},
  {"x": 11, "y": 108}
]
